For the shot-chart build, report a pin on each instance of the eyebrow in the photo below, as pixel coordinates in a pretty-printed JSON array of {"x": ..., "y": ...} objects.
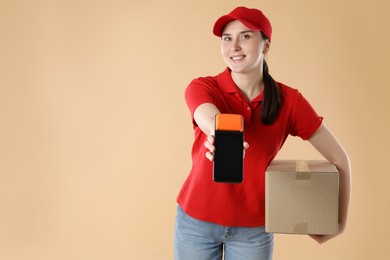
[{"x": 243, "y": 32}]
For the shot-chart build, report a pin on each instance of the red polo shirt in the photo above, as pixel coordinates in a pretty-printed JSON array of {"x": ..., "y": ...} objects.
[{"x": 240, "y": 204}]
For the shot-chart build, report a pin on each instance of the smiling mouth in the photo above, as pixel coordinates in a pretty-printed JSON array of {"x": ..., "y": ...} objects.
[{"x": 237, "y": 58}]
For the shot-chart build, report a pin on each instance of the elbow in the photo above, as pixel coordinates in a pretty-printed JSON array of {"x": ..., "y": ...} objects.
[{"x": 342, "y": 161}]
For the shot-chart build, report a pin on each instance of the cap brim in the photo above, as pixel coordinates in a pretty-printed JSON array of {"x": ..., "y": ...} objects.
[{"x": 220, "y": 24}]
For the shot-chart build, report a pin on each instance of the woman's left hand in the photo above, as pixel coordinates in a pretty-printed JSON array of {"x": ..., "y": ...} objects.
[{"x": 320, "y": 239}]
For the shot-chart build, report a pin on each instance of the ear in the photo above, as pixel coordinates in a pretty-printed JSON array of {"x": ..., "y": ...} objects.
[{"x": 267, "y": 46}]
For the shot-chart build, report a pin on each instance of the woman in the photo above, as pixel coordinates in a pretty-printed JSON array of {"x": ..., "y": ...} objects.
[{"x": 213, "y": 218}]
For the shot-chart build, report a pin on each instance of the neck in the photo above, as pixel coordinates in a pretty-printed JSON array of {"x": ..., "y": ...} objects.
[{"x": 250, "y": 83}]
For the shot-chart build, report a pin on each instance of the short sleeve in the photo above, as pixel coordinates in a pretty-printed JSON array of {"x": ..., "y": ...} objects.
[
  {"x": 198, "y": 92},
  {"x": 305, "y": 120}
]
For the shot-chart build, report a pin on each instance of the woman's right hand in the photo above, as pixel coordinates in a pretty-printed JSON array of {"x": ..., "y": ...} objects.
[{"x": 209, "y": 144}]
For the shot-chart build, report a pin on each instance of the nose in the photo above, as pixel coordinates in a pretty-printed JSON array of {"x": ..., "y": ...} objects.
[{"x": 235, "y": 45}]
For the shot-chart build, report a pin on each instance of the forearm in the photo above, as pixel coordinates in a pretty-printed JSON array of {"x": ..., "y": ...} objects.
[
  {"x": 204, "y": 116},
  {"x": 331, "y": 149},
  {"x": 344, "y": 168}
]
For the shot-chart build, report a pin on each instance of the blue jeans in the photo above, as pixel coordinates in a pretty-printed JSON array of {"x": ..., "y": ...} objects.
[{"x": 200, "y": 240}]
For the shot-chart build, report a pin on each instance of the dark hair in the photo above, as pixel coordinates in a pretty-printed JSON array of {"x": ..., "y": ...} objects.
[{"x": 273, "y": 97}]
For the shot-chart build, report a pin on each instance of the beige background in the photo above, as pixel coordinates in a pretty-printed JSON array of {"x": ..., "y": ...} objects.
[{"x": 95, "y": 136}]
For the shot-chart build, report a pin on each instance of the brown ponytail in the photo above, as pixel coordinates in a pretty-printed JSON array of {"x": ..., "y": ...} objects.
[{"x": 272, "y": 99}]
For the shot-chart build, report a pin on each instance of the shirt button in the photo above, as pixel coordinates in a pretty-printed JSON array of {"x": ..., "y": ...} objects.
[{"x": 248, "y": 108}]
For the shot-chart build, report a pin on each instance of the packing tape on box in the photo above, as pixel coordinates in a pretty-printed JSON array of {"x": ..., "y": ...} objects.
[
  {"x": 301, "y": 228},
  {"x": 303, "y": 170}
]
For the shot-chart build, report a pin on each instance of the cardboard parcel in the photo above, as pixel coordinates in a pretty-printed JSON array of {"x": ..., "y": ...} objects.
[{"x": 302, "y": 197}]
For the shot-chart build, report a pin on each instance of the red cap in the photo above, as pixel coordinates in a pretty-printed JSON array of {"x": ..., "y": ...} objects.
[{"x": 254, "y": 19}]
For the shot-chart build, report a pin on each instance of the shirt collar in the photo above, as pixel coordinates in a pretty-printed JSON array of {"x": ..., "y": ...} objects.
[{"x": 226, "y": 83}]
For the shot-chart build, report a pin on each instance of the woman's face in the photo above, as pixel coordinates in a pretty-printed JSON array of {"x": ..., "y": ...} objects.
[{"x": 242, "y": 49}]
